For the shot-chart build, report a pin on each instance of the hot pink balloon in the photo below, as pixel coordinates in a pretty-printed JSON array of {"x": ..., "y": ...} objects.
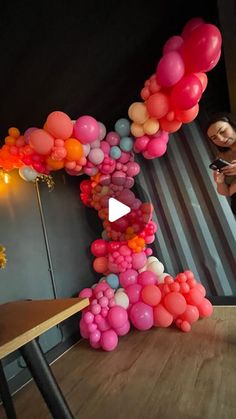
[
  {"x": 133, "y": 291},
  {"x": 174, "y": 43},
  {"x": 141, "y": 316},
  {"x": 170, "y": 69},
  {"x": 123, "y": 330},
  {"x": 147, "y": 278},
  {"x": 156, "y": 147},
  {"x": 141, "y": 143},
  {"x": 139, "y": 260},
  {"x": 117, "y": 316},
  {"x": 86, "y": 129},
  {"x": 109, "y": 340},
  {"x": 128, "y": 277}
]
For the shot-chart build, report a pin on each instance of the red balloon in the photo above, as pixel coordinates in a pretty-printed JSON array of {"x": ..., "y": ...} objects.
[
  {"x": 175, "y": 303},
  {"x": 186, "y": 93},
  {"x": 99, "y": 248},
  {"x": 190, "y": 26},
  {"x": 202, "y": 48},
  {"x": 187, "y": 116},
  {"x": 170, "y": 126}
]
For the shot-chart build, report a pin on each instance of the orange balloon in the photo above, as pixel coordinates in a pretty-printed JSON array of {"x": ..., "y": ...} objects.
[
  {"x": 10, "y": 140},
  {"x": 74, "y": 149},
  {"x": 203, "y": 79},
  {"x": 55, "y": 164},
  {"x": 100, "y": 264},
  {"x": 14, "y": 132}
]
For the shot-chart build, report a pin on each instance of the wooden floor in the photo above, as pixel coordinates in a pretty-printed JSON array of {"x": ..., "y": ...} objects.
[{"x": 161, "y": 373}]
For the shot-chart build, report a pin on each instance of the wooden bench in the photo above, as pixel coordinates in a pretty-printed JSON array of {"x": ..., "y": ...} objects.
[{"x": 21, "y": 322}]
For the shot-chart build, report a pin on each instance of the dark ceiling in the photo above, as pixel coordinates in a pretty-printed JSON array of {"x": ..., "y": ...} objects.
[{"x": 89, "y": 57}]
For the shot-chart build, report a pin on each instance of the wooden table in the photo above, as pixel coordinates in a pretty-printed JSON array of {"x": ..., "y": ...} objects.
[{"x": 21, "y": 322}]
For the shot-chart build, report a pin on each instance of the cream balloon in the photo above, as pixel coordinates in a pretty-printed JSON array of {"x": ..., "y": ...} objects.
[
  {"x": 156, "y": 267},
  {"x": 122, "y": 299}
]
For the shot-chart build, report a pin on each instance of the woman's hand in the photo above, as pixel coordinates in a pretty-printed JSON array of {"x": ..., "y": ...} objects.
[
  {"x": 219, "y": 177},
  {"x": 230, "y": 170}
]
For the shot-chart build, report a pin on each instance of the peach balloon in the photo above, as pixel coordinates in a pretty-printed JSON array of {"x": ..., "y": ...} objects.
[
  {"x": 138, "y": 112},
  {"x": 41, "y": 141},
  {"x": 162, "y": 317},
  {"x": 203, "y": 79},
  {"x": 158, "y": 105},
  {"x": 187, "y": 116},
  {"x": 137, "y": 130},
  {"x": 59, "y": 125},
  {"x": 170, "y": 126},
  {"x": 74, "y": 149},
  {"x": 151, "y": 295},
  {"x": 151, "y": 126}
]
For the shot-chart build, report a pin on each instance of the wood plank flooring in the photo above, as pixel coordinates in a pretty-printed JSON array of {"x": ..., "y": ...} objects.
[{"x": 161, "y": 373}]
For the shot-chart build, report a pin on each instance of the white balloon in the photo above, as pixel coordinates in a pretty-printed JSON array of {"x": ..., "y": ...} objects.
[
  {"x": 122, "y": 299},
  {"x": 151, "y": 259},
  {"x": 120, "y": 290},
  {"x": 156, "y": 267}
]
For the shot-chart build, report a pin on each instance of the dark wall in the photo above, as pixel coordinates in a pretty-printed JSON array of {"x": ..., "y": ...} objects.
[{"x": 85, "y": 57}]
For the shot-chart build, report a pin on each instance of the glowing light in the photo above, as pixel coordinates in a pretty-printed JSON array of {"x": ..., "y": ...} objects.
[{"x": 4, "y": 177}]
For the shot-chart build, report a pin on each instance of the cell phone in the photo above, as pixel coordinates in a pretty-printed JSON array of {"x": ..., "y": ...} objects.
[{"x": 218, "y": 164}]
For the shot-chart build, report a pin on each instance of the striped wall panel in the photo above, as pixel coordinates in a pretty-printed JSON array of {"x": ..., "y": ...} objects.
[{"x": 196, "y": 228}]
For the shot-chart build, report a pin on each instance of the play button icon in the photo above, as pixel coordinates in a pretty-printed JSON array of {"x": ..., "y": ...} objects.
[{"x": 116, "y": 209}]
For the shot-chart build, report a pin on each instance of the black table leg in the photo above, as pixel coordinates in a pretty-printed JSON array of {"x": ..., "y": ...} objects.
[
  {"x": 5, "y": 395},
  {"x": 45, "y": 380}
]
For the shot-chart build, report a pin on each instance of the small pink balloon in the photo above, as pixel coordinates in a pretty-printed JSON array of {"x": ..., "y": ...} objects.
[
  {"x": 95, "y": 336},
  {"x": 86, "y": 293},
  {"x": 174, "y": 43},
  {"x": 170, "y": 69},
  {"x": 205, "y": 308},
  {"x": 175, "y": 303},
  {"x": 139, "y": 260},
  {"x": 156, "y": 147},
  {"x": 83, "y": 329},
  {"x": 147, "y": 278},
  {"x": 105, "y": 147},
  {"x": 141, "y": 143},
  {"x": 27, "y": 134},
  {"x": 133, "y": 168},
  {"x": 128, "y": 277},
  {"x": 86, "y": 129},
  {"x": 109, "y": 340},
  {"x": 113, "y": 138},
  {"x": 96, "y": 156}
]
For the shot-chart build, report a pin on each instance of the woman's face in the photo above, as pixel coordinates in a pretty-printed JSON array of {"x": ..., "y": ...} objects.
[{"x": 222, "y": 134}]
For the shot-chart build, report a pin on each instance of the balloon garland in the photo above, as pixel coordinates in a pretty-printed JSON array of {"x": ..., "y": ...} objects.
[{"x": 133, "y": 289}]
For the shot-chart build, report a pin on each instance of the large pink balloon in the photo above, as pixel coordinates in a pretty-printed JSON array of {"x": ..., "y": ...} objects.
[
  {"x": 186, "y": 93},
  {"x": 117, "y": 316},
  {"x": 156, "y": 147},
  {"x": 86, "y": 129},
  {"x": 170, "y": 69},
  {"x": 202, "y": 48},
  {"x": 141, "y": 316},
  {"x": 41, "y": 141},
  {"x": 109, "y": 340}
]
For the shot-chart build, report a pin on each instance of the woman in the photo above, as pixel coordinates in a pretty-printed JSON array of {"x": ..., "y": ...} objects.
[{"x": 222, "y": 132}]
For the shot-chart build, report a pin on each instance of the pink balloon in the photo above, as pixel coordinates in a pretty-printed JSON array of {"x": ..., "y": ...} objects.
[
  {"x": 83, "y": 329},
  {"x": 162, "y": 317},
  {"x": 126, "y": 196},
  {"x": 41, "y": 141},
  {"x": 214, "y": 62},
  {"x": 190, "y": 26},
  {"x": 105, "y": 147},
  {"x": 95, "y": 336},
  {"x": 174, "y": 43},
  {"x": 113, "y": 138},
  {"x": 195, "y": 297},
  {"x": 141, "y": 143},
  {"x": 27, "y": 134},
  {"x": 86, "y": 129},
  {"x": 202, "y": 48},
  {"x": 141, "y": 316},
  {"x": 161, "y": 135},
  {"x": 186, "y": 93},
  {"x": 191, "y": 314},
  {"x": 99, "y": 248},
  {"x": 109, "y": 340},
  {"x": 96, "y": 156},
  {"x": 123, "y": 330},
  {"x": 147, "y": 278},
  {"x": 117, "y": 316},
  {"x": 128, "y": 277},
  {"x": 139, "y": 260},
  {"x": 59, "y": 125},
  {"x": 175, "y": 303},
  {"x": 86, "y": 293},
  {"x": 170, "y": 69},
  {"x": 133, "y": 168},
  {"x": 133, "y": 291},
  {"x": 205, "y": 308},
  {"x": 156, "y": 147}
]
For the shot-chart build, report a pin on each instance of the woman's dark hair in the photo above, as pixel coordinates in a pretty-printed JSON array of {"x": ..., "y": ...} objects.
[{"x": 225, "y": 117}]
